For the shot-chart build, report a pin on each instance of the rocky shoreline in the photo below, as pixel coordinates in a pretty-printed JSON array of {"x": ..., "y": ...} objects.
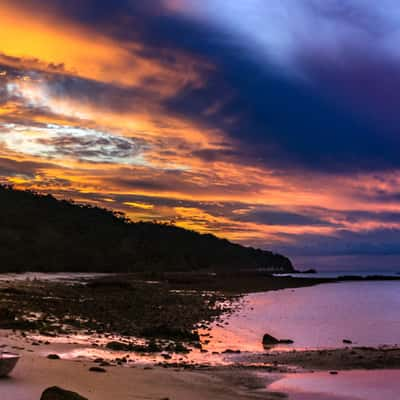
[
  {"x": 239, "y": 380},
  {"x": 165, "y": 320}
]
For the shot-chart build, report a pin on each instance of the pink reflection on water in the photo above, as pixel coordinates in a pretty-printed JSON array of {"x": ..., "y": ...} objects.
[
  {"x": 314, "y": 317},
  {"x": 347, "y": 385}
]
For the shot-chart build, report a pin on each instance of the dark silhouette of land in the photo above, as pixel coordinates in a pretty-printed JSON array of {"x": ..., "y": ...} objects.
[{"x": 41, "y": 233}]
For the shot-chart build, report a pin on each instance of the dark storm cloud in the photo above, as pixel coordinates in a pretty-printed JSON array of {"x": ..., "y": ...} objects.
[
  {"x": 363, "y": 79},
  {"x": 280, "y": 119}
]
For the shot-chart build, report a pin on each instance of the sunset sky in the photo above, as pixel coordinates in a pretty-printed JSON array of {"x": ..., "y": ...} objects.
[{"x": 272, "y": 123}]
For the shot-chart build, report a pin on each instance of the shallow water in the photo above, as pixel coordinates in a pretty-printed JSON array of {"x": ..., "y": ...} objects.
[
  {"x": 336, "y": 274},
  {"x": 314, "y": 317},
  {"x": 367, "y": 313},
  {"x": 347, "y": 385}
]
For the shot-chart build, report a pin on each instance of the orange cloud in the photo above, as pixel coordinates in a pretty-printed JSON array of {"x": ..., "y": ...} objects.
[
  {"x": 168, "y": 180},
  {"x": 46, "y": 43}
]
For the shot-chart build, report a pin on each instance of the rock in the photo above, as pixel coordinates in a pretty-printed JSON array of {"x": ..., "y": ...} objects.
[
  {"x": 105, "y": 364},
  {"x": 168, "y": 332},
  {"x": 56, "y": 393},
  {"x": 269, "y": 340},
  {"x": 347, "y": 341},
  {"x": 230, "y": 351},
  {"x": 97, "y": 369},
  {"x": 333, "y": 372},
  {"x": 7, "y": 315},
  {"x": 53, "y": 357},
  {"x": 117, "y": 346}
]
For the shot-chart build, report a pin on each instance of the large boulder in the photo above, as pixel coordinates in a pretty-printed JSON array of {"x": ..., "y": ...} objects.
[{"x": 56, "y": 393}]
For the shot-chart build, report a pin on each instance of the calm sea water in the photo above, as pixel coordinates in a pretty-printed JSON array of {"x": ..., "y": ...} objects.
[
  {"x": 347, "y": 385},
  {"x": 367, "y": 313},
  {"x": 318, "y": 317},
  {"x": 335, "y": 274}
]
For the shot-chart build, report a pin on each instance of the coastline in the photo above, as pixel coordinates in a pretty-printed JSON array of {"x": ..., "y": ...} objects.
[{"x": 173, "y": 377}]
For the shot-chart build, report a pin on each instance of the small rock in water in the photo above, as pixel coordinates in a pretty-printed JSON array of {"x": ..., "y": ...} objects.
[
  {"x": 53, "y": 357},
  {"x": 269, "y": 340},
  {"x": 333, "y": 372},
  {"x": 347, "y": 341},
  {"x": 56, "y": 393}
]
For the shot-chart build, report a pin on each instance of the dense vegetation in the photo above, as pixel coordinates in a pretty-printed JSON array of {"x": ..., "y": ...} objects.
[{"x": 41, "y": 233}]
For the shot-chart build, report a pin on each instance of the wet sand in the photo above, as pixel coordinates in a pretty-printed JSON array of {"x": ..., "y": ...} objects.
[{"x": 350, "y": 358}]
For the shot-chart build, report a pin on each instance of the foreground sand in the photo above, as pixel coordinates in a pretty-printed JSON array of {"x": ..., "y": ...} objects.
[{"x": 34, "y": 373}]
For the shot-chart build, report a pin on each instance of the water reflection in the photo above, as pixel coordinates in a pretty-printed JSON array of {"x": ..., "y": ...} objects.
[
  {"x": 347, "y": 385},
  {"x": 315, "y": 317}
]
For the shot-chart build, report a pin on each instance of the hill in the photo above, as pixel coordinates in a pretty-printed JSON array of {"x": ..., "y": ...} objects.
[{"x": 40, "y": 233}]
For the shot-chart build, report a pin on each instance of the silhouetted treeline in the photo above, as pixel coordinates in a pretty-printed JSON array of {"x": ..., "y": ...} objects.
[{"x": 41, "y": 233}]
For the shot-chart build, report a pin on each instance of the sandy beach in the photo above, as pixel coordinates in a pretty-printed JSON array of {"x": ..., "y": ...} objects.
[{"x": 34, "y": 373}]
